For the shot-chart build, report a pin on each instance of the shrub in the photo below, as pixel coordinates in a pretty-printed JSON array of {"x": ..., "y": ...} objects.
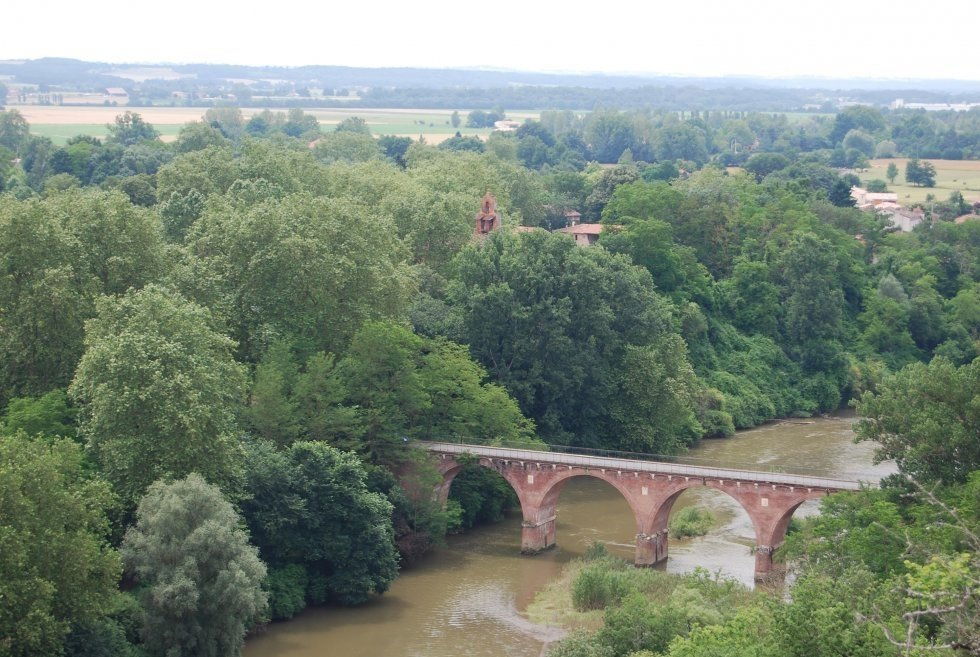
[
  {"x": 690, "y": 521},
  {"x": 287, "y": 591},
  {"x": 598, "y": 586}
]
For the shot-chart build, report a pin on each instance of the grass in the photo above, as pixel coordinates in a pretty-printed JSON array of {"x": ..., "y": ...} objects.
[{"x": 961, "y": 175}]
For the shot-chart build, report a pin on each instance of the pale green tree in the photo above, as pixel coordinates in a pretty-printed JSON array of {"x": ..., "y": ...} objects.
[{"x": 202, "y": 581}]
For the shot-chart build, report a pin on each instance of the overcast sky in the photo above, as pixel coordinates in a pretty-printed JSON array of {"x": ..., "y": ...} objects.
[{"x": 830, "y": 38}]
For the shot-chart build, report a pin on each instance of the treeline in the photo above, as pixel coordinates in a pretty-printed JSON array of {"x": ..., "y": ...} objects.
[{"x": 249, "y": 332}]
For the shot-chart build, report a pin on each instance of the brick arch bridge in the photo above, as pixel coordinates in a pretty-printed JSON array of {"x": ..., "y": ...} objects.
[{"x": 649, "y": 487}]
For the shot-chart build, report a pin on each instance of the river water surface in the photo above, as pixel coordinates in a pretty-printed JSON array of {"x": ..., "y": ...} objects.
[{"x": 467, "y": 598}]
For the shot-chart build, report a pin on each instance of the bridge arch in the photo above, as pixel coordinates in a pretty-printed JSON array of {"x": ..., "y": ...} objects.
[{"x": 650, "y": 495}]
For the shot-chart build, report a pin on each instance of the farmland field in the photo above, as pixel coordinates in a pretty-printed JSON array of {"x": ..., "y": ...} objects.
[
  {"x": 59, "y": 122},
  {"x": 962, "y": 175}
]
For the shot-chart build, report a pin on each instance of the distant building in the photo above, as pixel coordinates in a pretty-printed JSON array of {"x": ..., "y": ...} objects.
[
  {"x": 574, "y": 217},
  {"x": 506, "y": 125},
  {"x": 584, "y": 234},
  {"x": 487, "y": 219},
  {"x": 886, "y": 204},
  {"x": 865, "y": 200},
  {"x": 905, "y": 219},
  {"x": 116, "y": 94},
  {"x": 899, "y": 103}
]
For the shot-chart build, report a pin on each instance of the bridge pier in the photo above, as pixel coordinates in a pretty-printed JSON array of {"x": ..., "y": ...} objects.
[
  {"x": 651, "y": 549},
  {"x": 537, "y": 536}
]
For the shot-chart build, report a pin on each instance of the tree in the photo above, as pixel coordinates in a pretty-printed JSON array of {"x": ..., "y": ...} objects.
[
  {"x": 48, "y": 416},
  {"x": 227, "y": 120},
  {"x": 920, "y": 173},
  {"x": 58, "y": 255},
  {"x": 202, "y": 581},
  {"x": 347, "y": 146},
  {"x": 14, "y": 131},
  {"x": 762, "y": 164},
  {"x": 56, "y": 567},
  {"x": 877, "y": 185},
  {"x": 454, "y": 119},
  {"x": 925, "y": 417},
  {"x": 814, "y": 300},
  {"x": 198, "y": 136},
  {"x": 308, "y": 270},
  {"x": 130, "y": 128},
  {"x": 531, "y": 304},
  {"x": 159, "y": 392},
  {"x": 354, "y": 124},
  {"x": 891, "y": 172},
  {"x": 311, "y": 507}
]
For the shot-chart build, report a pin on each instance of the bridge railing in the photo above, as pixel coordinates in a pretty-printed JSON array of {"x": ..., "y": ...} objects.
[{"x": 669, "y": 464}]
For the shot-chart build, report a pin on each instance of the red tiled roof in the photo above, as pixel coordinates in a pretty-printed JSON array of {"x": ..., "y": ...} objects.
[{"x": 582, "y": 229}]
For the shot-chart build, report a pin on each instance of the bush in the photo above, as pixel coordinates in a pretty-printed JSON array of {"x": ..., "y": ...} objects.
[
  {"x": 287, "y": 591},
  {"x": 598, "y": 585},
  {"x": 691, "y": 521}
]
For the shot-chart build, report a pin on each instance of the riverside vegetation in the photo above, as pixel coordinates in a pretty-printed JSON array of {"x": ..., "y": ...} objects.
[{"x": 216, "y": 354}]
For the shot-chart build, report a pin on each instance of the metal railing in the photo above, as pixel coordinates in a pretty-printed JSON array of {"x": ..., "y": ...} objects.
[{"x": 635, "y": 462}]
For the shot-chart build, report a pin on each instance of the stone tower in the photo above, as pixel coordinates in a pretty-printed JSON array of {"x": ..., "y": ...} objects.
[{"x": 487, "y": 218}]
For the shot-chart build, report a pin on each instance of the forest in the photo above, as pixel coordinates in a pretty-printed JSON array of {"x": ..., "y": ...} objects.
[{"x": 217, "y": 354}]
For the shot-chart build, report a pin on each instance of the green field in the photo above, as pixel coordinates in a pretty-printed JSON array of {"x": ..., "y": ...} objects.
[
  {"x": 61, "y": 123},
  {"x": 962, "y": 175},
  {"x": 59, "y": 133}
]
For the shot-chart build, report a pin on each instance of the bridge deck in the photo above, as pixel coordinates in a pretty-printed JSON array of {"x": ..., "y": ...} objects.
[{"x": 637, "y": 465}]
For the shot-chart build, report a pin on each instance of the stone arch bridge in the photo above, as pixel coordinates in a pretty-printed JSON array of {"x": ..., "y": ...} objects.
[{"x": 650, "y": 489}]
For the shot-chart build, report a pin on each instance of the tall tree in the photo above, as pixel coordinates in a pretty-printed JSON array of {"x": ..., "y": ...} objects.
[
  {"x": 311, "y": 507},
  {"x": 159, "y": 392},
  {"x": 202, "y": 581},
  {"x": 56, "y": 567},
  {"x": 926, "y": 418}
]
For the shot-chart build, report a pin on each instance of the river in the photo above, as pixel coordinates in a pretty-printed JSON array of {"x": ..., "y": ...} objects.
[{"x": 466, "y": 598}]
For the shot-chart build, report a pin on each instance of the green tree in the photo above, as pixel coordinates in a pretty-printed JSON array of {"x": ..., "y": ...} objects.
[
  {"x": 531, "y": 305},
  {"x": 48, "y": 416},
  {"x": 892, "y": 172},
  {"x": 14, "y": 131},
  {"x": 198, "y": 136},
  {"x": 353, "y": 124},
  {"x": 311, "y": 506},
  {"x": 814, "y": 300},
  {"x": 926, "y": 418},
  {"x": 159, "y": 392},
  {"x": 129, "y": 128},
  {"x": 348, "y": 146},
  {"x": 202, "y": 581},
  {"x": 56, "y": 567},
  {"x": 307, "y": 270},
  {"x": 454, "y": 119},
  {"x": 762, "y": 164}
]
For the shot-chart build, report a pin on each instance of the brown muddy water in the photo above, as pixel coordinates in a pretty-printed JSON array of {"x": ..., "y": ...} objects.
[{"x": 467, "y": 598}]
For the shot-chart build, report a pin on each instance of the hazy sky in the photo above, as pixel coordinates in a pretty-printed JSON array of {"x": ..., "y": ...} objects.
[{"x": 853, "y": 38}]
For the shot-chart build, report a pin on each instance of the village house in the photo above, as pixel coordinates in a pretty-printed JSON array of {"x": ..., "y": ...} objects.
[
  {"x": 886, "y": 204},
  {"x": 584, "y": 234}
]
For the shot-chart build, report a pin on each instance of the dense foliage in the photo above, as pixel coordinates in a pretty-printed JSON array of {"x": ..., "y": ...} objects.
[{"x": 251, "y": 326}]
